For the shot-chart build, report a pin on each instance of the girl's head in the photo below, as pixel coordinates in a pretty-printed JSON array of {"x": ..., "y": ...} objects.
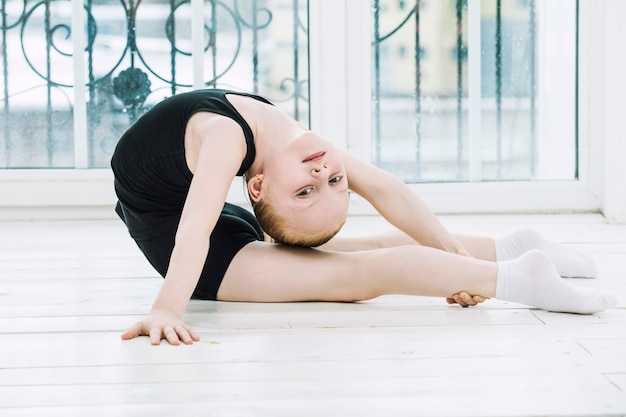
[{"x": 301, "y": 198}]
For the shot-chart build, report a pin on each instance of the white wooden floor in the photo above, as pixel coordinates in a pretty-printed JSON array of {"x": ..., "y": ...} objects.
[{"x": 68, "y": 289}]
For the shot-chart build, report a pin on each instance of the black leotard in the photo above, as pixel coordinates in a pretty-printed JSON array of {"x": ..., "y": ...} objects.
[{"x": 152, "y": 180}]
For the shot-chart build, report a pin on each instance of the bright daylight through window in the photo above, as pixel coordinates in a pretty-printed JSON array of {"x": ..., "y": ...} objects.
[
  {"x": 442, "y": 110},
  {"x": 505, "y": 113}
]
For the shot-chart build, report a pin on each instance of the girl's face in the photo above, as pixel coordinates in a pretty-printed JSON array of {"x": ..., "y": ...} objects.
[{"x": 308, "y": 184}]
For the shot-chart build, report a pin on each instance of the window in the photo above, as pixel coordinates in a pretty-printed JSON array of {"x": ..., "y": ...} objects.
[
  {"x": 507, "y": 112},
  {"x": 62, "y": 108},
  {"x": 531, "y": 117}
]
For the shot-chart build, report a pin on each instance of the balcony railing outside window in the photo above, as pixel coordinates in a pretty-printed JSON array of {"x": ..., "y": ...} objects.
[
  {"x": 422, "y": 106},
  {"x": 441, "y": 111},
  {"x": 135, "y": 54}
]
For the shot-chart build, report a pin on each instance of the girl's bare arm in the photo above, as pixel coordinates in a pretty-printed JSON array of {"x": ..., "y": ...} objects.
[
  {"x": 397, "y": 203},
  {"x": 219, "y": 159}
]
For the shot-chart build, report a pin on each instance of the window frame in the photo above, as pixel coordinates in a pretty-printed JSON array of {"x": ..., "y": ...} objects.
[
  {"x": 341, "y": 111},
  {"x": 598, "y": 168}
]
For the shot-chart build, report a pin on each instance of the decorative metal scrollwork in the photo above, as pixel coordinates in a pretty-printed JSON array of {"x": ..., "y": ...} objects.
[
  {"x": 123, "y": 73},
  {"x": 132, "y": 87}
]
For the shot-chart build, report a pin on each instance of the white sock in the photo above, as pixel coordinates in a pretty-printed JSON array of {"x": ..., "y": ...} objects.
[
  {"x": 532, "y": 279},
  {"x": 568, "y": 261}
]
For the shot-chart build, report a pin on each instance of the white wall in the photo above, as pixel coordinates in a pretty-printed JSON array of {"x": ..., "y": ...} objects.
[{"x": 603, "y": 93}]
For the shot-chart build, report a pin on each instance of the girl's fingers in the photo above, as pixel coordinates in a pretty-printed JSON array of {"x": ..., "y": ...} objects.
[
  {"x": 171, "y": 336},
  {"x": 155, "y": 336},
  {"x": 193, "y": 334},
  {"x": 183, "y": 335},
  {"x": 158, "y": 328},
  {"x": 132, "y": 332},
  {"x": 459, "y": 300},
  {"x": 464, "y": 299}
]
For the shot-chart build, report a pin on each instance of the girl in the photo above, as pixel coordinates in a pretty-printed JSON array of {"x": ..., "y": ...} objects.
[{"x": 173, "y": 169}]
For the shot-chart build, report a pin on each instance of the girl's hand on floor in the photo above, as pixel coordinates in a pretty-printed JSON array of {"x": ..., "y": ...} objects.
[
  {"x": 162, "y": 324},
  {"x": 464, "y": 299}
]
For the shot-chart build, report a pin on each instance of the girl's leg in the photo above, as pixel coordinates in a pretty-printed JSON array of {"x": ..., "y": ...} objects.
[
  {"x": 263, "y": 272},
  {"x": 275, "y": 273},
  {"x": 478, "y": 246},
  {"x": 568, "y": 261}
]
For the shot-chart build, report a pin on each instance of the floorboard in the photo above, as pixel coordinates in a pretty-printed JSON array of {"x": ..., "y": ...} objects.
[{"x": 68, "y": 289}]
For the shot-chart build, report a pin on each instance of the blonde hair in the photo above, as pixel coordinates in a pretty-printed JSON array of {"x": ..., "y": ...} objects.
[
  {"x": 278, "y": 228},
  {"x": 275, "y": 226}
]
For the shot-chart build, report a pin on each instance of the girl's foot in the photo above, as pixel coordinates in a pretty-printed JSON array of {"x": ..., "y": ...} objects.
[
  {"x": 532, "y": 279},
  {"x": 569, "y": 262}
]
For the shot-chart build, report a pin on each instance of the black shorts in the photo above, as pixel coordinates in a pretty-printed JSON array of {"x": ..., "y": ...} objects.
[{"x": 235, "y": 228}]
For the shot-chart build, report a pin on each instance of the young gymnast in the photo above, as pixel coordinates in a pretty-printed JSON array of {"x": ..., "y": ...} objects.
[{"x": 173, "y": 169}]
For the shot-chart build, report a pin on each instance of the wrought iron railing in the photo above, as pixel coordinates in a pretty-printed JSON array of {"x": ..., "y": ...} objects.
[
  {"x": 136, "y": 53},
  {"x": 496, "y": 85}
]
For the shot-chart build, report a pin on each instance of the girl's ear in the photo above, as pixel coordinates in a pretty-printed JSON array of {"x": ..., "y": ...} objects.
[{"x": 255, "y": 186}]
